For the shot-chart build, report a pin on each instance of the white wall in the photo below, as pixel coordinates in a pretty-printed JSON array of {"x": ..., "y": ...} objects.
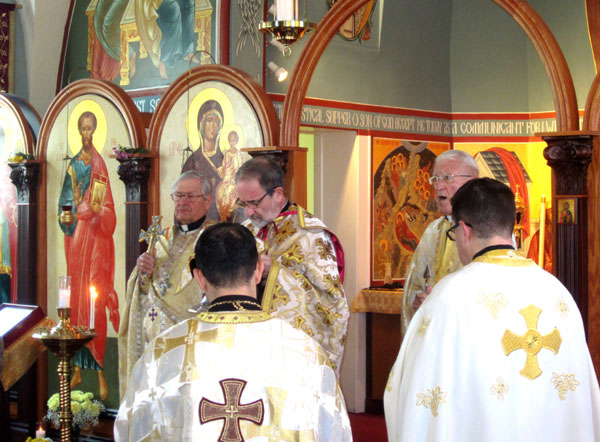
[
  {"x": 43, "y": 25},
  {"x": 342, "y": 189}
]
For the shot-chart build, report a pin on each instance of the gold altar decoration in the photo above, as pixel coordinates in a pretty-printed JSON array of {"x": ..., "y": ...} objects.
[
  {"x": 387, "y": 301},
  {"x": 64, "y": 339}
]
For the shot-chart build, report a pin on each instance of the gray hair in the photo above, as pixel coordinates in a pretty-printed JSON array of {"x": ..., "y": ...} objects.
[
  {"x": 458, "y": 155},
  {"x": 207, "y": 187}
]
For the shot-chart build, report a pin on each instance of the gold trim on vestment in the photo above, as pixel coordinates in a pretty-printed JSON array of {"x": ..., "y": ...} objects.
[
  {"x": 240, "y": 317},
  {"x": 505, "y": 257},
  {"x": 270, "y": 286},
  {"x": 445, "y": 253}
]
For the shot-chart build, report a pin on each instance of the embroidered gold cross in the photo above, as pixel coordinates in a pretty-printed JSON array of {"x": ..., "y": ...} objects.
[
  {"x": 531, "y": 342},
  {"x": 232, "y": 411}
]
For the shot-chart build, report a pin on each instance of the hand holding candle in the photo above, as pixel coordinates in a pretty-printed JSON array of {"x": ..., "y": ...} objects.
[
  {"x": 93, "y": 296},
  {"x": 64, "y": 291}
]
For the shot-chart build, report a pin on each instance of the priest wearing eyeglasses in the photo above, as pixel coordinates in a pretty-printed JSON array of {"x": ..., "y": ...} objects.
[
  {"x": 303, "y": 260},
  {"x": 160, "y": 289},
  {"x": 435, "y": 256}
]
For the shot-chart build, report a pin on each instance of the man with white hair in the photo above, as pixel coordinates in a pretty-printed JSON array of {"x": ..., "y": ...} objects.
[
  {"x": 161, "y": 290},
  {"x": 435, "y": 256}
]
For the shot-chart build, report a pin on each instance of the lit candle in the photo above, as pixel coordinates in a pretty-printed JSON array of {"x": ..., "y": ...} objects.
[
  {"x": 64, "y": 291},
  {"x": 40, "y": 432},
  {"x": 93, "y": 296}
]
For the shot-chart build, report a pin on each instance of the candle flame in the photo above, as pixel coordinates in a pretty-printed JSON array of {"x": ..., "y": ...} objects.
[{"x": 93, "y": 292}]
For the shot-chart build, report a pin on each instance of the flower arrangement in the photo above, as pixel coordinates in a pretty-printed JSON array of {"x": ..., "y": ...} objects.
[
  {"x": 19, "y": 157},
  {"x": 83, "y": 406},
  {"x": 123, "y": 152}
]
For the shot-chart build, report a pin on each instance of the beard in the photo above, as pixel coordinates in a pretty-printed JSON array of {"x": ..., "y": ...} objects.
[{"x": 258, "y": 221}]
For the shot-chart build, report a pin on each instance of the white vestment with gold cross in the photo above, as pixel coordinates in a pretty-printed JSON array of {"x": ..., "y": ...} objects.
[
  {"x": 154, "y": 304},
  {"x": 496, "y": 353},
  {"x": 304, "y": 287},
  {"x": 435, "y": 257},
  {"x": 286, "y": 388}
]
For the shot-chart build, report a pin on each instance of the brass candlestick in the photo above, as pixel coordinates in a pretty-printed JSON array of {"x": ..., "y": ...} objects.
[{"x": 64, "y": 339}]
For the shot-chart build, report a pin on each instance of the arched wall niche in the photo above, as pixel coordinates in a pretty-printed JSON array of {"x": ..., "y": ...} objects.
[
  {"x": 16, "y": 104},
  {"x": 115, "y": 97},
  {"x": 533, "y": 25},
  {"x": 240, "y": 81}
]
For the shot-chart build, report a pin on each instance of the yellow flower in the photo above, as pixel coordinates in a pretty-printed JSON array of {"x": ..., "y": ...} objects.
[
  {"x": 54, "y": 402},
  {"x": 75, "y": 407}
]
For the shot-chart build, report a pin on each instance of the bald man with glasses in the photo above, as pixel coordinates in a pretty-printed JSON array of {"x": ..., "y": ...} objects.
[
  {"x": 161, "y": 291},
  {"x": 303, "y": 260},
  {"x": 436, "y": 256}
]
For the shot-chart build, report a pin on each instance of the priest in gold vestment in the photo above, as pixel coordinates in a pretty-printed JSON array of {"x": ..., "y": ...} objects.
[
  {"x": 497, "y": 351},
  {"x": 304, "y": 262},
  {"x": 161, "y": 290},
  {"x": 435, "y": 256},
  {"x": 233, "y": 373}
]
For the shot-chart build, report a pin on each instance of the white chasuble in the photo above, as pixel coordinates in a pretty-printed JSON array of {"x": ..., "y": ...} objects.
[
  {"x": 496, "y": 353},
  {"x": 241, "y": 376}
]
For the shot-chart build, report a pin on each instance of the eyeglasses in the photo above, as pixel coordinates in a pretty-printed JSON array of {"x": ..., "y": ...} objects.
[
  {"x": 445, "y": 178},
  {"x": 451, "y": 232},
  {"x": 254, "y": 204},
  {"x": 178, "y": 196}
]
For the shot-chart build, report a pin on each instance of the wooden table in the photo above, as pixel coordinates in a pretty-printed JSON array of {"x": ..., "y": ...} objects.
[{"x": 383, "y": 308}]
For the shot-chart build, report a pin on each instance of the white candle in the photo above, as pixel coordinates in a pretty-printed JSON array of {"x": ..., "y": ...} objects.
[
  {"x": 284, "y": 10},
  {"x": 40, "y": 432},
  {"x": 64, "y": 298},
  {"x": 64, "y": 291},
  {"x": 93, "y": 296}
]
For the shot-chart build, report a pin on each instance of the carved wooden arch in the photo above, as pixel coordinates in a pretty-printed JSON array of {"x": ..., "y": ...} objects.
[
  {"x": 591, "y": 114},
  {"x": 561, "y": 83},
  {"x": 306, "y": 64},
  {"x": 24, "y": 128},
  {"x": 133, "y": 121},
  {"x": 109, "y": 91},
  {"x": 563, "y": 91},
  {"x": 236, "y": 78}
]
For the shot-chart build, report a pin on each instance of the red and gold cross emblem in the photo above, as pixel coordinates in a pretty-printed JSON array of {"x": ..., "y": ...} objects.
[
  {"x": 531, "y": 342},
  {"x": 232, "y": 411}
]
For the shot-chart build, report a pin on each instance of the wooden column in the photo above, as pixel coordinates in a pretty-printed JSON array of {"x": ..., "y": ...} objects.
[
  {"x": 569, "y": 154},
  {"x": 25, "y": 177},
  {"x": 135, "y": 172}
]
